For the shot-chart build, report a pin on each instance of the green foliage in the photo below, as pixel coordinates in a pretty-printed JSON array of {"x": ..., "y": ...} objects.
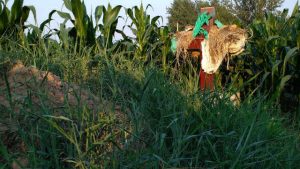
[
  {"x": 248, "y": 10},
  {"x": 224, "y": 12},
  {"x": 182, "y": 12},
  {"x": 271, "y": 64},
  {"x": 165, "y": 40},
  {"x": 12, "y": 21},
  {"x": 185, "y": 12},
  {"x": 83, "y": 29},
  {"x": 109, "y": 26},
  {"x": 145, "y": 30},
  {"x": 166, "y": 124}
]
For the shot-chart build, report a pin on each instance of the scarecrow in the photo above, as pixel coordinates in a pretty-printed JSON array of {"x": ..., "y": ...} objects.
[{"x": 211, "y": 42}]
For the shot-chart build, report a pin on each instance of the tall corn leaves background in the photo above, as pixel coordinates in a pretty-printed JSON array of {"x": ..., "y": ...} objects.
[
  {"x": 270, "y": 66},
  {"x": 169, "y": 123}
]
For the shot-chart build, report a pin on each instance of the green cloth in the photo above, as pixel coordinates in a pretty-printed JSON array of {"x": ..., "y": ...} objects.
[
  {"x": 173, "y": 44},
  {"x": 203, "y": 18},
  {"x": 219, "y": 24}
]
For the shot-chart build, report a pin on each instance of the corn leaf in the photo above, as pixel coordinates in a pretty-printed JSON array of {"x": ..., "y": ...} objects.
[
  {"x": 16, "y": 11},
  {"x": 68, "y": 5},
  {"x": 64, "y": 15},
  {"x": 296, "y": 9},
  {"x": 4, "y": 20},
  {"x": 43, "y": 24},
  {"x": 111, "y": 15},
  {"x": 25, "y": 14},
  {"x": 32, "y": 9},
  {"x": 98, "y": 13},
  {"x": 155, "y": 19},
  {"x": 130, "y": 14},
  {"x": 281, "y": 86},
  {"x": 79, "y": 12},
  {"x": 291, "y": 53}
]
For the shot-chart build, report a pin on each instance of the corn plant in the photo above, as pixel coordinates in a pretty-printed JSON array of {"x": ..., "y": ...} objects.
[
  {"x": 83, "y": 30},
  {"x": 12, "y": 20},
  {"x": 271, "y": 63},
  {"x": 108, "y": 27},
  {"x": 145, "y": 30},
  {"x": 166, "y": 46}
]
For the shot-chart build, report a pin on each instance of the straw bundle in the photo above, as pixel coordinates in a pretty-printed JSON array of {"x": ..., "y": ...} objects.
[
  {"x": 184, "y": 38},
  {"x": 227, "y": 41}
]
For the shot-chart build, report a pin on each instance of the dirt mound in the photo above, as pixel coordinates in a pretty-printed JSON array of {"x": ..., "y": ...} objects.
[
  {"x": 41, "y": 89},
  {"x": 27, "y": 89}
]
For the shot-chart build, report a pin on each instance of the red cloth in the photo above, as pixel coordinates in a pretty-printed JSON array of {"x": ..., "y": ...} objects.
[{"x": 206, "y": 81}]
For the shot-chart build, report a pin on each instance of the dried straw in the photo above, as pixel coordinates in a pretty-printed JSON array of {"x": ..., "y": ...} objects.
[
  {"x": 184, "y": 38},
  {"x": 221, "y": 39},
  {"x": 227, "y": 41},
  {"x": 220, "y": 43}
]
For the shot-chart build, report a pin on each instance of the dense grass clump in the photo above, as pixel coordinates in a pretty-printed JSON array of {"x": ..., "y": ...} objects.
[{"x": 146, "y": 119}]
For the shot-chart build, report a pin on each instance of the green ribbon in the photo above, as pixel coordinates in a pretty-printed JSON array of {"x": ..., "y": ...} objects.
[
  {"x": 203, "y": 18},
  {"x": 218, "y": 23}
]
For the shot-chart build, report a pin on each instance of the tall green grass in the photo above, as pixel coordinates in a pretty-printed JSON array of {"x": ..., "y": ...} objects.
[{"x": 164, "y": 121}]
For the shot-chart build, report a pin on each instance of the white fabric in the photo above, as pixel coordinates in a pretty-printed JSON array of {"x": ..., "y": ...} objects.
[
  {"x": 206, "y": 63},
  {"x": 206, "y": 59}
]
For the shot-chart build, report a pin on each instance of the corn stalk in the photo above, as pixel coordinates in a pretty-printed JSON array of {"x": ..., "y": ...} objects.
[
  {"x": 12, "y": 20},
  {"x": 145, "y": 30},
  {"x": 273, "y": 53}
]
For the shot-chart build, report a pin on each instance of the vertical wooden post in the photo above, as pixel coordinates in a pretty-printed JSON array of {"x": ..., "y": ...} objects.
[{"x": 207, "y": 80}]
